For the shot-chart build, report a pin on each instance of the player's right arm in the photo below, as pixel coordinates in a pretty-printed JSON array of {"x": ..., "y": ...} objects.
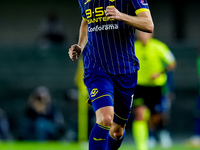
[
  {"x": 143, "y": 21},
  {"x": 76, "y": 49}
]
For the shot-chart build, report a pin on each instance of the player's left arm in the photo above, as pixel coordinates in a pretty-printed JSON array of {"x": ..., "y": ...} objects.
[
  {"x": 76, "y": 50},
  {"x": 167, "y": 57},
  {"x": 143, "y": 21},
  {"x": 170, "y": 64}
]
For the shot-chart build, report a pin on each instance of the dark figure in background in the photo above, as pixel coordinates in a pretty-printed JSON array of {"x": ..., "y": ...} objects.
[
  {"x": 4, "y": 126},
  {"x": 42, "y": 121},
  {"x": 194, "y": 140},
  {"x": 52, "y": 33}
]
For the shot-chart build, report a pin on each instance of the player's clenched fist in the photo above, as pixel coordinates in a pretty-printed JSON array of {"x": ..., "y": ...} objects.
[
  {"x": 74, "y": 52},
  {"x": 113, "y": 13}
]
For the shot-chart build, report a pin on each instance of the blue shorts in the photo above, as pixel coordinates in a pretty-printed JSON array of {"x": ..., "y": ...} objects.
[{"x": 111, "y": 90}]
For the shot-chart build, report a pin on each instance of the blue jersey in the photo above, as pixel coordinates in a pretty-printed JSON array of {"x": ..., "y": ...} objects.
[{"x": 110, "y": 43}]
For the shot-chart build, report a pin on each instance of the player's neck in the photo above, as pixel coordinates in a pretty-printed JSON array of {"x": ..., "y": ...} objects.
[{"x": 145, "y": 42}]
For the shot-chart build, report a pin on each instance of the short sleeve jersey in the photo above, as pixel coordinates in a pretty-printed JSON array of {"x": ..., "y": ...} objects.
[
  {"x": 153, "y": 58},
  {"x": 110, "y": 43}
]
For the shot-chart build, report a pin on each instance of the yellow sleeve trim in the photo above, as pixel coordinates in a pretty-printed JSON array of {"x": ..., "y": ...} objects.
[
  {"x": 84, "y": 18},
  {"x": 141, "y": 10}
]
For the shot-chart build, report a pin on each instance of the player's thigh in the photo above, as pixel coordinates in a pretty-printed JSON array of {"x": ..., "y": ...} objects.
[
  {"x": 124, "y": 92},
  {"x": 139, "y": 96},
  {"x": 100, "y": 89},
  {"x": 153, "y": 99}
]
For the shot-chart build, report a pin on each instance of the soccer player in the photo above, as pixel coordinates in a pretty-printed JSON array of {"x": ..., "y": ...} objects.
[
  {"x": 155, "y": 61},
  {"x": 110, "y": 64}
]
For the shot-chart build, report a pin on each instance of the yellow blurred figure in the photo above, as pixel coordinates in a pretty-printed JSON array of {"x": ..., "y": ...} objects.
[
  {"x": 82, "y": 106},
  {"x": 155, "y": 60}
]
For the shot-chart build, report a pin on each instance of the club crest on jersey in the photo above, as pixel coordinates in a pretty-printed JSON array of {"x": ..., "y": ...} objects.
[
  {"x": 87, "y": 2},
  {"x": 144, "y": 2},
  {"x": 94, "y": 92},
  {"x": 111, "y": 0}
]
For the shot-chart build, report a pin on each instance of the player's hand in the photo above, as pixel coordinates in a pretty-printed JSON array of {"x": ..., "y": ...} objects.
[
  {"x": 155, "y": 75},
  {"x": 113, "y": 13},
  {"x": 74, "y": 52}
]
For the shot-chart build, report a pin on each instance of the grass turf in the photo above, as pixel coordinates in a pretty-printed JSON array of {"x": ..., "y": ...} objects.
[{"x": 75, "y": 146}]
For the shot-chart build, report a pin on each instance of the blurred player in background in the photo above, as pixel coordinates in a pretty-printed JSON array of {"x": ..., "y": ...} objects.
[
  {"x": 82, "y": 108},
  {"x": 195, "y": 139},
  {"x": 155, "y": 61},
  {"x": 42, "y": 121},
  {"x": 51, "y": 31},
  {"x": 110, "y": 63},
  {"x": 4, "y": 126},
  {"x": 86, "y": 116}
]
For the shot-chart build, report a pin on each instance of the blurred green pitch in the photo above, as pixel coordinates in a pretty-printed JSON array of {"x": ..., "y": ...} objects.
[{"x": 75, "y": 146}]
